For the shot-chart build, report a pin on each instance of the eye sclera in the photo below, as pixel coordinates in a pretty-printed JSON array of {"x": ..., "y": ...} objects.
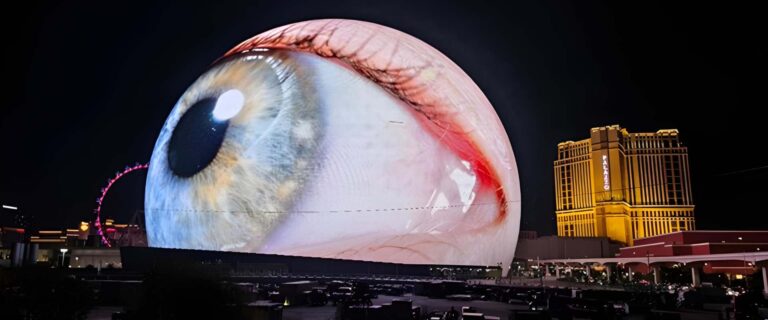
[
  {"x": 454, "y": 109},
  {"x": 387, "y": 190}
]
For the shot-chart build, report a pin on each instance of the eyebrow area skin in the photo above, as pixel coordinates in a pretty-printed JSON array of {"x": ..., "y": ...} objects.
[{"x": 452, "y": 106}]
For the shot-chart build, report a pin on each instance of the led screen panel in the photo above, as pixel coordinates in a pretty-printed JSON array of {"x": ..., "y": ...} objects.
[{"x": 340, "y": 139}]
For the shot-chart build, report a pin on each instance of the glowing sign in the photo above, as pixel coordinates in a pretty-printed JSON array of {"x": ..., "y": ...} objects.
[{"x": 606, "y": 180}]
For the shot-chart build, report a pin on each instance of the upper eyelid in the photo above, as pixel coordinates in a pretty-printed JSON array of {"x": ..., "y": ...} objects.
[
  {"x": 327, "y": 38},
  {"x": 454, "y": 108},
  {"x": 408, "y": 68}
]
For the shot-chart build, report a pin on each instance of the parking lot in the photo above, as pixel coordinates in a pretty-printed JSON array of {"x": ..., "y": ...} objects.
[{"x": 490, "y": 308}]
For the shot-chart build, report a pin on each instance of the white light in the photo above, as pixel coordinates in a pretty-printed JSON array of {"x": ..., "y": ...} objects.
[
  {"x": 63, "y": 250},
  {"x": 10, "y": 207},
  {"x": 228, "y": 105},
  {"x": 606, "y": 180}
]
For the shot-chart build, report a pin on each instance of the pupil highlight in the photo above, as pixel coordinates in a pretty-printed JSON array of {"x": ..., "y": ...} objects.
[{"x": 228, "y": 105}]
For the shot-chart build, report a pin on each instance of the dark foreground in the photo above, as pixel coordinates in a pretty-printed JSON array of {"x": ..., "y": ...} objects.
[{"x": 197, "y": 293}]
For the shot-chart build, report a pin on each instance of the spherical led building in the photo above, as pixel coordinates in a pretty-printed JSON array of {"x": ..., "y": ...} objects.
[{"x": 339, "y": 139}]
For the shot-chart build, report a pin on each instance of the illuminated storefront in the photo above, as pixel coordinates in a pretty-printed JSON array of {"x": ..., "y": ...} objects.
[{"x": 623, "y": 185}]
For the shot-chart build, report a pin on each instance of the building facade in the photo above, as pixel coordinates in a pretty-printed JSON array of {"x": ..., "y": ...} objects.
[
  {"x": 553, "y": 247},
  {"x": 702, "y": 243},
  {"x": 623, "y": 185}
]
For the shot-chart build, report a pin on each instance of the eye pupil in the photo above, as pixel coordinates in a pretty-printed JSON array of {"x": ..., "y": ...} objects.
[{"x": 196, "y": 140}]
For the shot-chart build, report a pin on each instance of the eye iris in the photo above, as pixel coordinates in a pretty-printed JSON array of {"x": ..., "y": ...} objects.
[{"x": 196, "y": 139}]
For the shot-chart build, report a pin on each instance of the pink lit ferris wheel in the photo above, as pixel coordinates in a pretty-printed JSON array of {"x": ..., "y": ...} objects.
[{"x": 110, "y": 182}]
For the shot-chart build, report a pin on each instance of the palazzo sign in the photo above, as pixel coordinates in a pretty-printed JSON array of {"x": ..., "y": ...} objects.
[{"x": 606, "y": 180}]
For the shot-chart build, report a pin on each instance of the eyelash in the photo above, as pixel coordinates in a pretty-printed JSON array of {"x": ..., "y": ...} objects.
[{"x": 394, "y": 80}]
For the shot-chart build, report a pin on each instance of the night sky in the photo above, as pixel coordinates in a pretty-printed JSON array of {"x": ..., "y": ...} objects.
[{"x": 91, "y": 85}]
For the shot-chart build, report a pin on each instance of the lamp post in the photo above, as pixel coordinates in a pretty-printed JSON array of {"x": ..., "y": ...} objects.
[
  {"x": 63, "y": 253},
  {"x": 654, "y": 273},
  {"x": 648, "y": 261},
  {"x": 746, "y": 273},
  {"x": 541, "y": 275}
]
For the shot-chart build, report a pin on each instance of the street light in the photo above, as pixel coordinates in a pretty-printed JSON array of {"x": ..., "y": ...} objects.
[
  {"x": 63, "y": 253},
  {"x": 648, "y": 264},
  {"x": 5, "y": 206},
  {"x": 538, "y": 269}
]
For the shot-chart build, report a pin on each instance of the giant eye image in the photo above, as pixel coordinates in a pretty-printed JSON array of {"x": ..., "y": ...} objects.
[{"x": 336, "y": 139}]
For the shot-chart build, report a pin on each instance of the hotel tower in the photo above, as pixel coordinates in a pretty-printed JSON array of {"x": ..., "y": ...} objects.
[{"x": 623, "y": 185}]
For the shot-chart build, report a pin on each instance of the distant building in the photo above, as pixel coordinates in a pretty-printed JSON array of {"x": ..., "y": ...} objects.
[
  {"x": 623, "y": 185},
  {"x": 554, "y": 247},
  {"x": 13, "y": 225},
  {"x": 9, "y": 236},
  {"x": 702, "y": 243},
  {"x": 11, "y": 242},
  {"x": 528, "y": 234},
  {"x": 73, "y": 247},
  {"x": 95, "y": 257}
]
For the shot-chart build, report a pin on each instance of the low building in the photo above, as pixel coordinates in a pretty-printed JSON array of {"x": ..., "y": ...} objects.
[
  {"x": 528, "y": 234},
  {"x": 701, "y": 243},
  {"x": 554, "y": 247},
  {"x": 94, "y": 258}
]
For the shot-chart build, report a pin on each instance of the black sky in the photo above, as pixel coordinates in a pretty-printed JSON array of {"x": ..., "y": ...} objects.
[{"x": 91, "y": 85}]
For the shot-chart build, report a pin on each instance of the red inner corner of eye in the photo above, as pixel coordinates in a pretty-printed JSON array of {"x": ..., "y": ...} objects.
[{"x": 466, "y": 149}]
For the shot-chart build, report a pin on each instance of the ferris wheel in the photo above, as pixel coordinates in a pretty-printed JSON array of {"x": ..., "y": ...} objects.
[{"x": 104, "y": 191}]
